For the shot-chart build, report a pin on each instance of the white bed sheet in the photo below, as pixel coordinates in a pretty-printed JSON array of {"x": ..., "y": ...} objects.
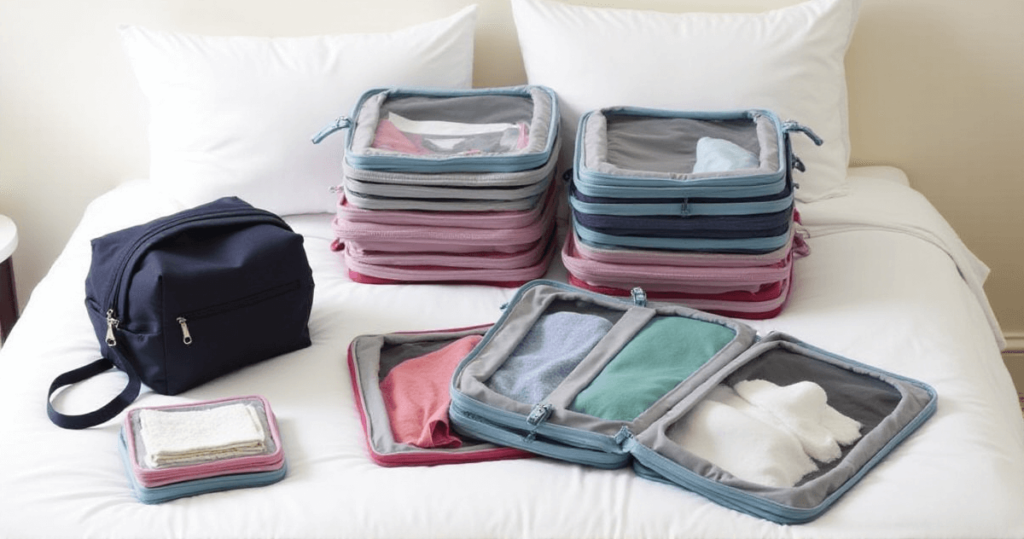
[{"x": 871, "y": 291}]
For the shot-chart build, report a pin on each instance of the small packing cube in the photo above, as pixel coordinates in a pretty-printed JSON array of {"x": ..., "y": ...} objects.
[
  {"x": 400, "y": 382},
  {"x": 188, "y": 449},
  {"x": 449, "y": 150},
  {"x": 702, "y": 181},
  {"x": 767, "y": 425}
]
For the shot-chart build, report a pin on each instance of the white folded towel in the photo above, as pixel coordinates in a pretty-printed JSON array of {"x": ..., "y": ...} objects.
[
  {"x": 727, "y": 431},
  {"x": 175, "y": 438},
  {"x": 802, "y": 408}
]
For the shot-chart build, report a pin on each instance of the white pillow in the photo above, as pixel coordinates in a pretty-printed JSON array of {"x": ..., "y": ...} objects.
[
  {"x": 234, "y": 115},
  {"x": 789, "y": 60}
]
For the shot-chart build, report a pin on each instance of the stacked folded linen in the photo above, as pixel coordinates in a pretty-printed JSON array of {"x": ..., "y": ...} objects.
[
  {"x": 183, "y": 450},
  {"x": 449, "y": 186},
  {"x": 692, "y": 207}
]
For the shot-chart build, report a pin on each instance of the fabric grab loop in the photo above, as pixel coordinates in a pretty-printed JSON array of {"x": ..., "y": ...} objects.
[
  {"x": 538, "y": 415},
  {"x": 342, "y": 122},
  {"x": 790, "y": 127}
]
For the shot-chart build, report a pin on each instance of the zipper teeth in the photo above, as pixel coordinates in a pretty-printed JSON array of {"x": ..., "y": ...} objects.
[
  {"x": 502, "y": 418},
  {"x": 245, "y": 301},
  {"x": 112, "y": 295}
]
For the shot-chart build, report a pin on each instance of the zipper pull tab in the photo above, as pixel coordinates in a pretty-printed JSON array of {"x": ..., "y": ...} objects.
[
  {"x": 337, "y": 125},
  {"x": 112, "y": 323},
  {"x": 539, "y": 414},
  {"x": 186, "y": 337},
  {"x": 639, "y": 297}
]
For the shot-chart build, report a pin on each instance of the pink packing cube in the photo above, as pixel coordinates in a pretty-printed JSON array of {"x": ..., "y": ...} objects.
[
  {"x": 267, "y": 456},
  {"x": 744, "y": 286}
]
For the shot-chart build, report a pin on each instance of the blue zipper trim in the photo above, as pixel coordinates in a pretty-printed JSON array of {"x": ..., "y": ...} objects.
[
  {"x": 681, "y": 209},
  {"x": 486, "y": 163},
  {"x": 739, "y": 245},
  {"x": 670, "y": 472}
]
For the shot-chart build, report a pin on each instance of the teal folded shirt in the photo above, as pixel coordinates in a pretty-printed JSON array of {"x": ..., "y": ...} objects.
[{"x": 663, "y": 354}]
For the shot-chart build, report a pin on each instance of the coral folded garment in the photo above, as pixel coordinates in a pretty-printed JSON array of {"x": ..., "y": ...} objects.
[
  {"x": 416, "y": 396},
  {"x": 554, "y": 346},
  {"x": 665, "y": 352},
  {"x": 194, "y": 436},
  {"x": 766, "y": 434}
]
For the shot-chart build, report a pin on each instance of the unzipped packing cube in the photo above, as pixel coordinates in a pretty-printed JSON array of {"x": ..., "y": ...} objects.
[
  {"x": 371, "y": 358},
  {"x": 767, "y": 425}
]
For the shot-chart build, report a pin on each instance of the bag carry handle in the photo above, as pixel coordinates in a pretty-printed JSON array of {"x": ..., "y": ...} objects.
[{"x": 105, "y": 412}]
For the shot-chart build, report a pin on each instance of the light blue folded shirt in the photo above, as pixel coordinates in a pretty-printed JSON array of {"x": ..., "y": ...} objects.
[{"x": 720, "y": 155}]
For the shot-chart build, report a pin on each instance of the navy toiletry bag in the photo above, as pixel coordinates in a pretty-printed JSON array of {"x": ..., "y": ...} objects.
[{"x": 186, "y": 298}]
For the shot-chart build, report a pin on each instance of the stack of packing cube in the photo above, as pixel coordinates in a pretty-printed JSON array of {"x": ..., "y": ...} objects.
[
  {"x": 448, "y": 186},
  {"x": 692, "y": 207},
  {"x": 183, "y": 450}
]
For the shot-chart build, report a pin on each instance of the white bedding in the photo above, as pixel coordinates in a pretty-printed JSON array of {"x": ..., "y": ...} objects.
[{"x": 881, "y": 286}]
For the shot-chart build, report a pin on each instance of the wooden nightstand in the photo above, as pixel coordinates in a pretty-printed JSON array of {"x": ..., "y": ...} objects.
[{"x": 8, "y": 294}]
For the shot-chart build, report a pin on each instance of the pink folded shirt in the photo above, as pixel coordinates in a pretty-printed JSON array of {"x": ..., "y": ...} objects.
[{"x": 416, "y": 396}]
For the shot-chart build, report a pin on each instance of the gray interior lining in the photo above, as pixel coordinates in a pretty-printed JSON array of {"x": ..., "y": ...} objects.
[
  {"x": 269, "y": 443},
  {"x": 540, "y": 300},
  {"x": 882, "y": 403},
  {"x": 536, "y": 109},
  {"x": 373, "y": 356},
  {"x": 665, "y": 147}
]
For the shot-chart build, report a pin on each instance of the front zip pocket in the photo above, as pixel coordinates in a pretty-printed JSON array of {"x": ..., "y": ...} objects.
[{"x": 197, "y": 315}]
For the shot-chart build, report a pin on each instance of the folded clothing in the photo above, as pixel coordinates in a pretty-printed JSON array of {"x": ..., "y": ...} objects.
[
  {"x": 552, "y": 348},
  {"x": 664, "y": 353},
  {"x": 188, "y": 449},
  {"x": 176, "y": 438},
  {"x": 766, "y": 434},
  {"x": 416, "y": 396},
  {"x": 720, "y": 155}
]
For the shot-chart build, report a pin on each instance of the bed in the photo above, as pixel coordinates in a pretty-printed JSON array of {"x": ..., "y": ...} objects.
[{"x": 888, "y": 283}]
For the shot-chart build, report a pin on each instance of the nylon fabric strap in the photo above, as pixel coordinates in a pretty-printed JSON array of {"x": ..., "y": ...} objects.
[{"x": 102, "y": 414}]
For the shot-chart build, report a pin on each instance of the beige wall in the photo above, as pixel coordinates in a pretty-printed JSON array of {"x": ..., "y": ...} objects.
[{"x": 936, "y": 88}]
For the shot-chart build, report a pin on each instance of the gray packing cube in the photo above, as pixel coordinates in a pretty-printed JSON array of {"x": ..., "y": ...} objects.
[
  {"x": 477, "y": 145},
  {"x": 700, "y": 181},
  {"x": 370, "y": 359},
  {"x": 677, "y": 357},
  {"x": 649, "y": 155}
]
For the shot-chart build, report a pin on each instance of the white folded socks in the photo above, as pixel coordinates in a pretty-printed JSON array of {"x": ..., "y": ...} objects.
[
  {"x": 764, "y": 433},
  {"x": 175, "y": 438}
]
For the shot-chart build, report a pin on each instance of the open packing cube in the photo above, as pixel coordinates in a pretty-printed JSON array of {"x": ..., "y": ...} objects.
[
  {"x": 770, "y": 426},
  {"x": 448, "y": 185},
  {"x": 679, "y": 194},
  {"x": 400, "y": 382}
]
